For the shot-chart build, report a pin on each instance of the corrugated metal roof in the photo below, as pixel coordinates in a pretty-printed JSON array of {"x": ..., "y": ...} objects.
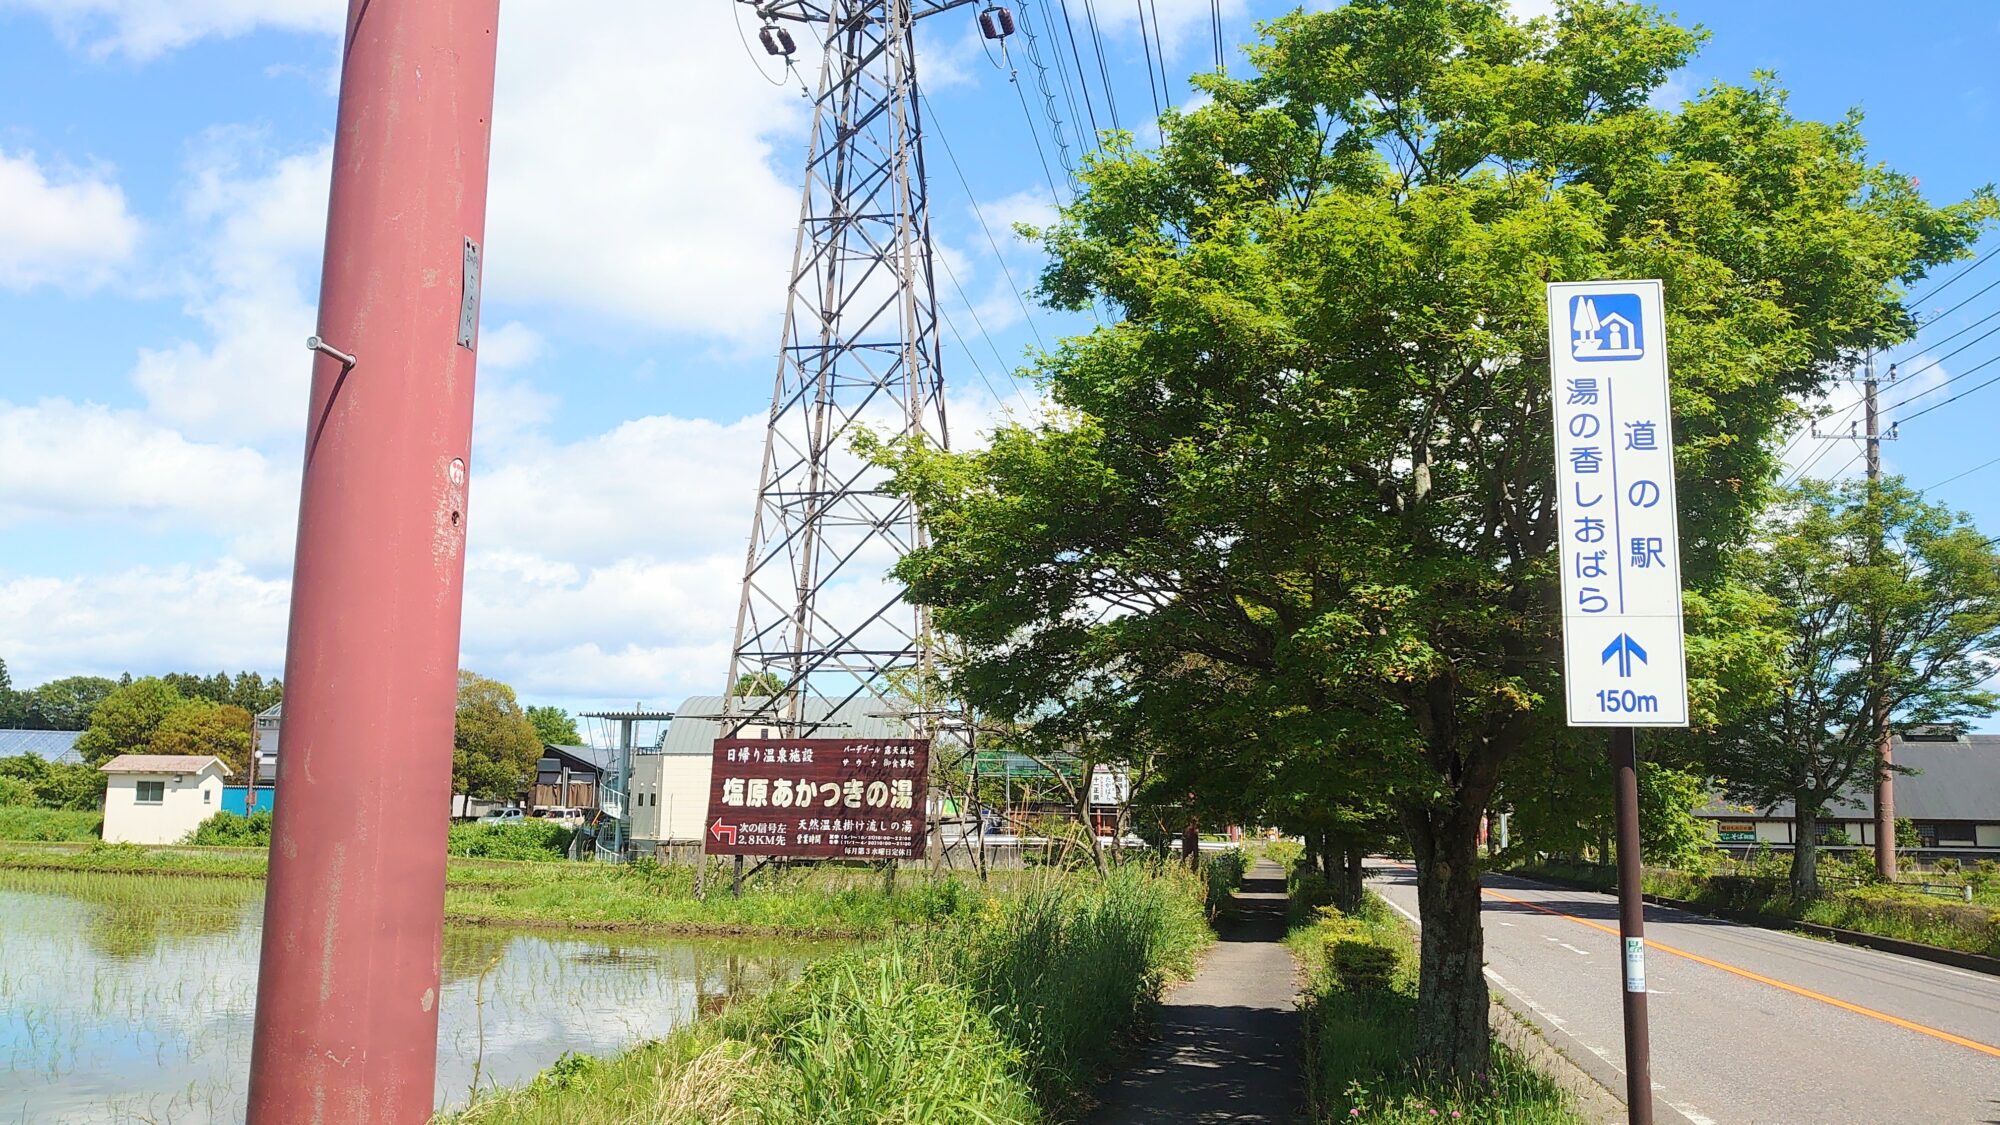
[
  {"x": 693, "y": 732},
  {"x": 54, "y": 745},
  {"x": 1954, "y": 781},
  {"x": 161, "y": 763}
]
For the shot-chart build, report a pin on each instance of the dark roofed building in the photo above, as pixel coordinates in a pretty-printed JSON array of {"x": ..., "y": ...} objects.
[{"x": 1953, "y": 801}]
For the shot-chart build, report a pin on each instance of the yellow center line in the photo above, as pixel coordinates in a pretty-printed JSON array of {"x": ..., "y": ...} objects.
[{"x": 1746, "y": 974}]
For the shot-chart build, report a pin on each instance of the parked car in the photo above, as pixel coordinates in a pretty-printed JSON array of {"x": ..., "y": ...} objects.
[
  {"x": 560, "y": 814},
  {"x": 503, "y": 816}
]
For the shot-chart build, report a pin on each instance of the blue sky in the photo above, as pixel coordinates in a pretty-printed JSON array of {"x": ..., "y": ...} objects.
[{"x": 162, "y": 193}]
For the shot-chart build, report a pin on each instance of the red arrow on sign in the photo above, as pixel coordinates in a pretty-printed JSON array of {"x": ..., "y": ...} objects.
[{"x": 718, "y": 828}]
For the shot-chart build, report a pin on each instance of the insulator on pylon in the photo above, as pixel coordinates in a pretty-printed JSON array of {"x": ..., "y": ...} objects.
[
  {"x": 996, "y": 22},
  {"x": 777, "y": 40}
]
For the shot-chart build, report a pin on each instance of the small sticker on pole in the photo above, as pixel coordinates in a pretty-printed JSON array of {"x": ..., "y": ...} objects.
[
  {"x": 1624, "y": 651},
  {"x": 1635, "y": 964}
]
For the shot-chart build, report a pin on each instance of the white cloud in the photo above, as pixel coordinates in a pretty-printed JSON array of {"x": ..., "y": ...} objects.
[
  {"x": 142, "y": 29},
  {"x": 642, "y": 167},
  {"x": 259, "y": 232},
  {"x": 64, "y": 460},
  {"x": 511, "y": 345},
  {"x": 64, "y": 228},
  {"x": 143, "y": 619}
]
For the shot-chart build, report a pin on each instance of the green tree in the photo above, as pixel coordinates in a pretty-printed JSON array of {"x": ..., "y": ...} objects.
[
  {"x": 248, "y": 690},
  {"x": 65, "y": 704},
  {"x": 494, "y": 746},
  {"x": 554, "y": 726},
  {"x": 1313, "y": 449},
  {"x": 13, "y": 706},
  {"x": 1883, "y": 596},
  {"x": 126, "y": 719},
  {"x": 205, "y": 727},
  {"x": 766, "y": 683}
]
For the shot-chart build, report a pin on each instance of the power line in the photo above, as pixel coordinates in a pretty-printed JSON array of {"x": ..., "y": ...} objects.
[
  {"x": 1048, "y": 95},
  {"x": 1959, "y": 395},
  {"x": 1082, "y": 78},
  {"x": 1215, "y": 25},
  {"x": 1948, "y": 339},
  {"x": 1146, "y": 47},
  {"x": 1966, "y": 473},
  {"x": 1160, "y": 49},
  {"x": 1957, "y": 277},
  {"x": 981, "y": 325},
  {"x": 1941, "y": 359},
  {"x": 1962, "y": 304},
  {"x": 952, "y": 157},
  {"x": 1103, "y": 68}
]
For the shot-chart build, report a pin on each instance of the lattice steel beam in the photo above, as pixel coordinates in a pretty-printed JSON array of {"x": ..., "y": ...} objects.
[{"x": 859, "y": 347}]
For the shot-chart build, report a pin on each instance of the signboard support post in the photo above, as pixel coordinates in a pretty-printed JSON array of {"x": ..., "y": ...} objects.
[
  {"x": 736, "y": 879},
  {"x": 1632, "y": 927}
]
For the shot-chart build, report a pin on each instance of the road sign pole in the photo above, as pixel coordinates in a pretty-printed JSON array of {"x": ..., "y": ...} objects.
[{"x": 1632, "y": 927}]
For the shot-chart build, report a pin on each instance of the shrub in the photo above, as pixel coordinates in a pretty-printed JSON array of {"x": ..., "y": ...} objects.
[
  {"x": 529, "y": 839},
  {"x": 228, "y": 829},
  {"x": 16, "y": 793},
  {"x": 1362, "y": 965}
]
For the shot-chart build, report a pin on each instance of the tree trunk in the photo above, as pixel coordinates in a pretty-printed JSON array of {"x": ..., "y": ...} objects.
[
  {"x": 1453, "y": 1040},
  {"x": 1191, "y": 843},
  {"x": 1805, "y": 856},
  {"x": 1354, "y": 888}
]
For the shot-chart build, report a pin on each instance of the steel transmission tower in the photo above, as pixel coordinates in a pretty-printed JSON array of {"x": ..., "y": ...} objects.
[{"x": 859, "y": 348}]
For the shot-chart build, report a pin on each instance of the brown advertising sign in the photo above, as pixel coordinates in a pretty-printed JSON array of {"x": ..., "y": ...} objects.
[{"x": 818, "y": 798}]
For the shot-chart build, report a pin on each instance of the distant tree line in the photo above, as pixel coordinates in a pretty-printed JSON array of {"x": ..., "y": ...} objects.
[{"x": 494, "y": 751}]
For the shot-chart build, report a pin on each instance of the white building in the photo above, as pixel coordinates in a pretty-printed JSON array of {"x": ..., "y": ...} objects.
[{"x": 160, "y": 798}]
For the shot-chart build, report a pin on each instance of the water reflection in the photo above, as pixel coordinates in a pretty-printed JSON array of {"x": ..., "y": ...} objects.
[{"x": 128, "y": 999}]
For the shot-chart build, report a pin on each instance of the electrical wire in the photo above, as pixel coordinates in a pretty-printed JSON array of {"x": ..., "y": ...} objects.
[
  {"x": 1966, "y": 473},
  {"x": 1957, "y": 277},
  {"x": 1160, "y": 49},
  {"x": 780, "y": 79},
  {"x": 1082, "y": 78},
  {"x": 1941, "y": 359},
  {"x": 1959, "y": 395},
  {"x": 1215, "y": 25},
  {"x": 1962, "y": 304},
  {"x": 1049, "y": 97},
  {"x": 952, "y": 157},
  {"x": 1103, "y": 67},
  {"x": 981, "y": 325},
  {"x": 1146, "y": 47}
]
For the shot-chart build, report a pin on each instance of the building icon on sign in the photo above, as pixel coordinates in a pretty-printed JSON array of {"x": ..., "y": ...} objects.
[{"x": 1605, "y": 326}]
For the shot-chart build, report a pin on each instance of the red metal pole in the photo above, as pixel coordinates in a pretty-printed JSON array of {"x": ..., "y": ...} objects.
[{"x": 347, "y": 991}]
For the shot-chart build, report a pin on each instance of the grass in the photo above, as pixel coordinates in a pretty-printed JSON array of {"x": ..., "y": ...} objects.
[
  {"x": 803, "y": 900},
  {"x": 1005, "y": 1011},
  {"x": 1359, "y": 1016},
  {"x": 130, "y": 916},
  {"x": 21, "y": 822},
  {"x": 1882, "y": 909}
]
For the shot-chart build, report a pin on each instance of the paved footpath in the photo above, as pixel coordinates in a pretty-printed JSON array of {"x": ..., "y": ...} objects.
[{"x": 1229, "y": 1038}]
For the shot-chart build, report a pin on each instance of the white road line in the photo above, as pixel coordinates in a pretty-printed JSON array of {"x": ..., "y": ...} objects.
[
  {"x": 1615, "y": 1061},
  {"x": 1574, "y": 949}
]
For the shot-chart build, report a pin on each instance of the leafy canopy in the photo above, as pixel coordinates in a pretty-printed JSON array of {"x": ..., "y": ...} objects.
[{"x": 1304, "y": 476}]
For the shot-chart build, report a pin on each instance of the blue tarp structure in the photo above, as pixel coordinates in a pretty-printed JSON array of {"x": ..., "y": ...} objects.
[{"x": 232, "y": 799}]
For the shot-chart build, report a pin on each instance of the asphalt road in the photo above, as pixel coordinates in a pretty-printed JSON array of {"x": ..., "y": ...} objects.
[{"x": 1748, "y": 1025}]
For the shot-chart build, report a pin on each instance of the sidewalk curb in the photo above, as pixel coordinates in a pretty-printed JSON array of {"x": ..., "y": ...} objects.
[{"x": 1591, "y": 1083}]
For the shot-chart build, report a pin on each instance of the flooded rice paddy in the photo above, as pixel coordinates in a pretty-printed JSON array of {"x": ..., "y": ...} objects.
[{"x": 129, "y": 999}]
